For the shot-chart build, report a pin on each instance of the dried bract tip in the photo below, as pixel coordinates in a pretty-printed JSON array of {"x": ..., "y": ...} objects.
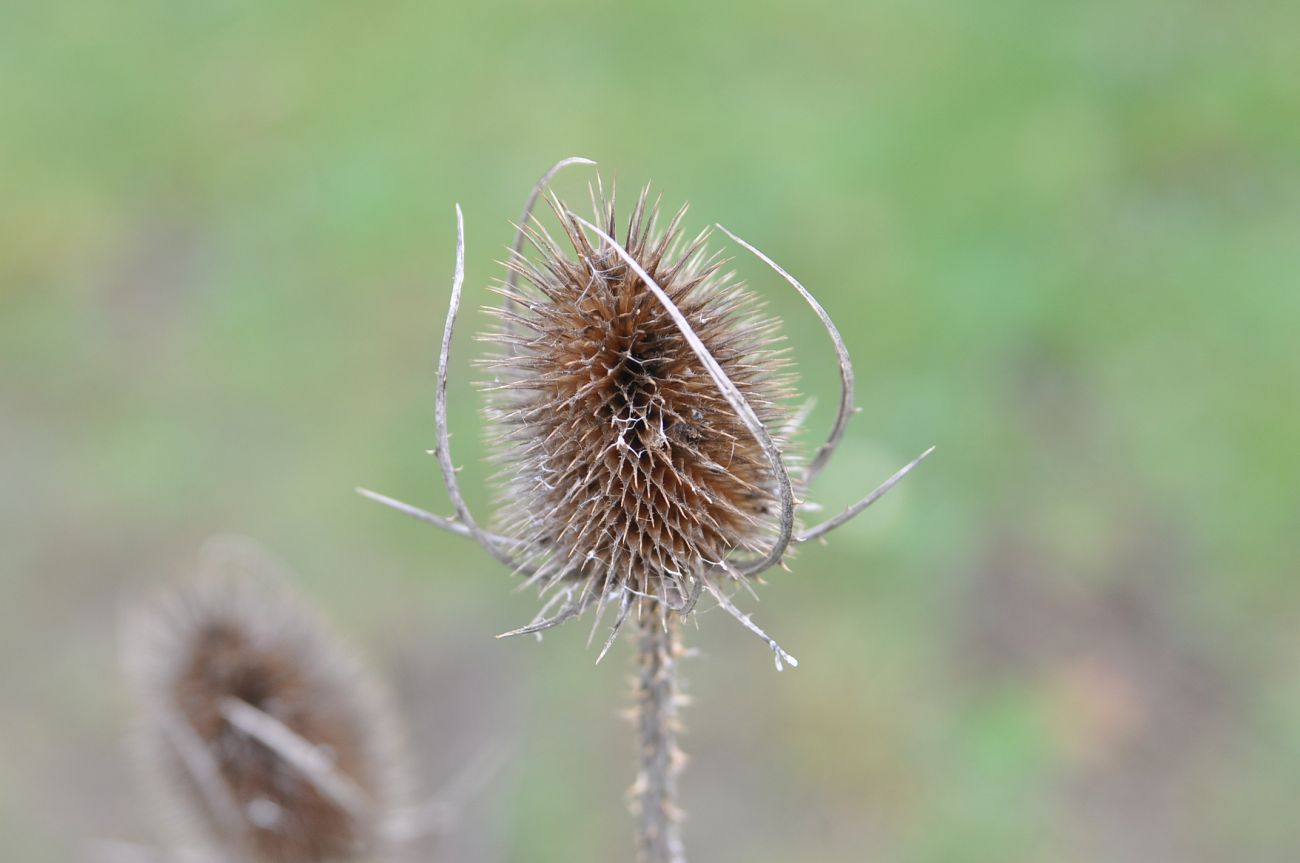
[
  {"x": 264, "y": 731},
  {"x": 628, "y": 473}
]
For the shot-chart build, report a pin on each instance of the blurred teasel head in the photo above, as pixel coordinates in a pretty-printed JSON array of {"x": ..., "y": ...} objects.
[
  {"x": 267, "y": 736},
  {"x": 642, "y": 414}
]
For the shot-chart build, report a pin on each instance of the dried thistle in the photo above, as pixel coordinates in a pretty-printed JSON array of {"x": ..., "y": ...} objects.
[
  {"x": 641, "y": 413},
  {"x": 266, "y": 734},
  {"x": 627, "y": 474}
]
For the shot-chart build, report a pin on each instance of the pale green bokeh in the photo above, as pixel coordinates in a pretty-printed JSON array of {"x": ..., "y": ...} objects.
[{"x": 1062, "y": 242}]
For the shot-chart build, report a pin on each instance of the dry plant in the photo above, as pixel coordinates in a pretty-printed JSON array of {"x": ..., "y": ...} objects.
[
  {"x": 260, "y": 733},
  {"x": 641, "y": 412}
]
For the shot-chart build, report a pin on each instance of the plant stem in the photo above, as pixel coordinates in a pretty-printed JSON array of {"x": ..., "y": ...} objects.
[{"x": 658, "y": 835}]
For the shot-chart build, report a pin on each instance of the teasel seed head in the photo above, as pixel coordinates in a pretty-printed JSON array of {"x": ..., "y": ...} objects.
[
  {"x": 269, "y": 738},
  {"x": 626, "y": 472},
  {"x": 640, "y": 412}
]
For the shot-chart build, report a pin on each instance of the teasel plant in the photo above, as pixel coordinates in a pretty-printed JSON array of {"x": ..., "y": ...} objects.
[
  {"x": 260, "y": 734},
  {"x": 641, "y": 411}
]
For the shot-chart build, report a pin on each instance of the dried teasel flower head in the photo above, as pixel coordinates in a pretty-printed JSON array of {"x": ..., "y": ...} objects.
[
  {"x": 640, "y": 412},
  {"x": 264, "y": 733},
  {"x": 627, "y": 472}
]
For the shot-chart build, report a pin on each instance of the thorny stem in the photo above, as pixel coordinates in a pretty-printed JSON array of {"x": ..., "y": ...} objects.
[{"x": 658, "y": 834}]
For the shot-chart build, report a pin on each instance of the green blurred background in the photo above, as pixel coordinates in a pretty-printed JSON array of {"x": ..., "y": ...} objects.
[{"x": 1063, "y": 244}]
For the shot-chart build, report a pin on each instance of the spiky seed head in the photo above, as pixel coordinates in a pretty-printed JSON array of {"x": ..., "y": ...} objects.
[
  {"x": 198, "y": 656},
  {"x": 625, "y": 468}
]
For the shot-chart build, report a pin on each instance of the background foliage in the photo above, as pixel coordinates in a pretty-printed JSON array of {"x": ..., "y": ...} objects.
[{"x": 1060, "y": 239}]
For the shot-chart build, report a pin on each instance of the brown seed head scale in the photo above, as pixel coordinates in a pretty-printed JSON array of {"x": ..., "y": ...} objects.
[
  {"x": 260, "y": 729},
  {"x": 626, "y": 473}
]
